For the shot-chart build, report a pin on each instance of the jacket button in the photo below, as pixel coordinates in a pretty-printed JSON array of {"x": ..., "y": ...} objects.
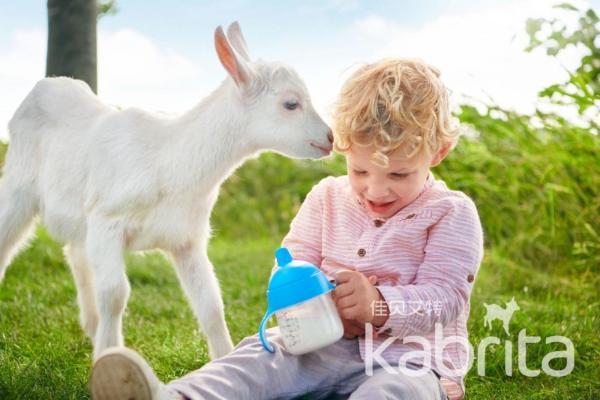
[
  {"x": 470, "y": 277},
  {"x": 361, "y": 252},
  {"x": 378, "y": 223}
]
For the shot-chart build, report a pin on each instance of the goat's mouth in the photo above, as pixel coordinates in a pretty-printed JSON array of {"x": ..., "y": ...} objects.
[{"x": 325, "y": 149}]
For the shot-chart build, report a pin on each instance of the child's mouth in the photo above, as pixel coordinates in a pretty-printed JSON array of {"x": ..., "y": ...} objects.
[{"x": 380, "y": 207}]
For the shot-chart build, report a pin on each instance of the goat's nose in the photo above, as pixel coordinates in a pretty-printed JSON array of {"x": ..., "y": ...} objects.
[{"x": 330, "y": 136}]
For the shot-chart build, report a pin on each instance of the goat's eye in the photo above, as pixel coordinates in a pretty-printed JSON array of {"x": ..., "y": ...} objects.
[{"x": 291, "y": 105}]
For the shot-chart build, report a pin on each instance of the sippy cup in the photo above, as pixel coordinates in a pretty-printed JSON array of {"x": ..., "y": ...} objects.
[{"x": 299, "y": 295}]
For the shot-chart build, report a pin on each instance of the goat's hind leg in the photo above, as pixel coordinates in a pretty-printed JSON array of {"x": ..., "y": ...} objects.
[
  {"x": 104, "y": 249},
  {"x": 18, "y": 207},
  {"x": 83, "y": 276}
]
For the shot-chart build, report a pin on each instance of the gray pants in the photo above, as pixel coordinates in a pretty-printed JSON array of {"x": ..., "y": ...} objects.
[{"x": 334, "y": 372}]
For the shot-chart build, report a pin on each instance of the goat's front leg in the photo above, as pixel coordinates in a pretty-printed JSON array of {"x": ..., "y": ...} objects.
[
  {"x": 200, "y": 284},
  {"x": 104, "y": 247}
]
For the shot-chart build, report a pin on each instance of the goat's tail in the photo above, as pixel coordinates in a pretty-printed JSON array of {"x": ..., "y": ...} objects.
[{"x": 19, "y": 201}]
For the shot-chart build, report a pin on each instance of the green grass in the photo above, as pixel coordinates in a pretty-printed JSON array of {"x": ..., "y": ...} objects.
[{"x": 45, "y": 355}]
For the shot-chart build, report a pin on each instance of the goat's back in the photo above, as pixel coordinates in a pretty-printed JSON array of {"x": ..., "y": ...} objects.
[{"x": 60, "y": 100}]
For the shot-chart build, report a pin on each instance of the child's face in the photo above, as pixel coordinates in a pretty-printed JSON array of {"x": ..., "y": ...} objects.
[{"x": 385, "y": 191}]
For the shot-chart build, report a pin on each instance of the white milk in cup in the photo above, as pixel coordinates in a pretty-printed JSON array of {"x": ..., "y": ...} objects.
[{"x": 299, "y": 295}]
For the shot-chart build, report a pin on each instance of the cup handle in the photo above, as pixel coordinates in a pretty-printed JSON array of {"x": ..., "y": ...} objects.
[{"x": 261, "y": 333}]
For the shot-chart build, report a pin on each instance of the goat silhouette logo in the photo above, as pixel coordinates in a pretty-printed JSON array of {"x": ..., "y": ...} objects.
[{"x": 494, "y": 311}]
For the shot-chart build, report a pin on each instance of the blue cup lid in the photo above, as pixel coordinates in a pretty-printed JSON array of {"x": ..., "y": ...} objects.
[{"x": 292, "y": 283}]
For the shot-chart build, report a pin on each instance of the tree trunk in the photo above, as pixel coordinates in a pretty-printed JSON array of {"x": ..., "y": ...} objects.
[{"x": 72, "y": 40}]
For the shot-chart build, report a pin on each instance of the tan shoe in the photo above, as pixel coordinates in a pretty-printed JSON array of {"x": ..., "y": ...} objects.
[{"x": 122, "y": 374}]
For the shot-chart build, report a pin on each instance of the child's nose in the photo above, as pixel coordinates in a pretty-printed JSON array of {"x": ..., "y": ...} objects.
[{"x": 377, "y": 192}]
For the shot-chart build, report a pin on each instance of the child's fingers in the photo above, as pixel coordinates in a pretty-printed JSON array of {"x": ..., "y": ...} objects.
[
  {"x": 345, "y": 302},
  {"x": 344, "y": 275},
  {"x": 343, "y": 291},
  {"x": 350, "y": 312}
]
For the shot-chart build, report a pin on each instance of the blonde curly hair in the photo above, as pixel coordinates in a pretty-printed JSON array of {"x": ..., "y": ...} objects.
[{"x": 394, "y": 104}]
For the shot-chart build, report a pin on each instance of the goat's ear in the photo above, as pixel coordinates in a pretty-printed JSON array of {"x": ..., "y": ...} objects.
[
  {"x": 235, "y": 65},
  {"x": 234, "y": 34}
]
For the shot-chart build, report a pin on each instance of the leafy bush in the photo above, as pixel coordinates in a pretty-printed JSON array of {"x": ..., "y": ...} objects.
[{"x": 265, "y": 194}]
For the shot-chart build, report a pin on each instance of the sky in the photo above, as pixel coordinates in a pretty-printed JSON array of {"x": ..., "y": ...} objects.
[{"x": 160, "y": 55}]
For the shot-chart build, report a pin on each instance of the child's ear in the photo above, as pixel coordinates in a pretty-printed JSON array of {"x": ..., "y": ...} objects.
[{"x": 440, "y": 155}]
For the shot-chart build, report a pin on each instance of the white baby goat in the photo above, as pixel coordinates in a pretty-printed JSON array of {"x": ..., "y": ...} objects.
[{"x": 105, "y": 180}]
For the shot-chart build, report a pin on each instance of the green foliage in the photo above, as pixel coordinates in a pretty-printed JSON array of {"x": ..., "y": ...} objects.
[
  {"x": 536, "y": 189},
  {"x": 583, "y": 87},
  {"x": 108, "y": 7},
  {"x": 536, "y": 178},
  {"x": 264, "y": 195}
]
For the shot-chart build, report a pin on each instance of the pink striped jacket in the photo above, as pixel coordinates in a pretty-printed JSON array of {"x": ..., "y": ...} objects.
[{"x": 425, "y": 257}]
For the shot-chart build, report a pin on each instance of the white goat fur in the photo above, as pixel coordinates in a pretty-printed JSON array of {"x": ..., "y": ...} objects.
[{"x": 105, "y": 180}]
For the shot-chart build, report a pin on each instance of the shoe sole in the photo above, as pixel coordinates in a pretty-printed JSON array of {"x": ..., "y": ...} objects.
[{"x": 117, "y": 377}]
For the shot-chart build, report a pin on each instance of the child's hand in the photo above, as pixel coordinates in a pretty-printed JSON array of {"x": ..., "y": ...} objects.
[
  {"x": 352, "y": 328},
  {"x": 355, "y": 296}
]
